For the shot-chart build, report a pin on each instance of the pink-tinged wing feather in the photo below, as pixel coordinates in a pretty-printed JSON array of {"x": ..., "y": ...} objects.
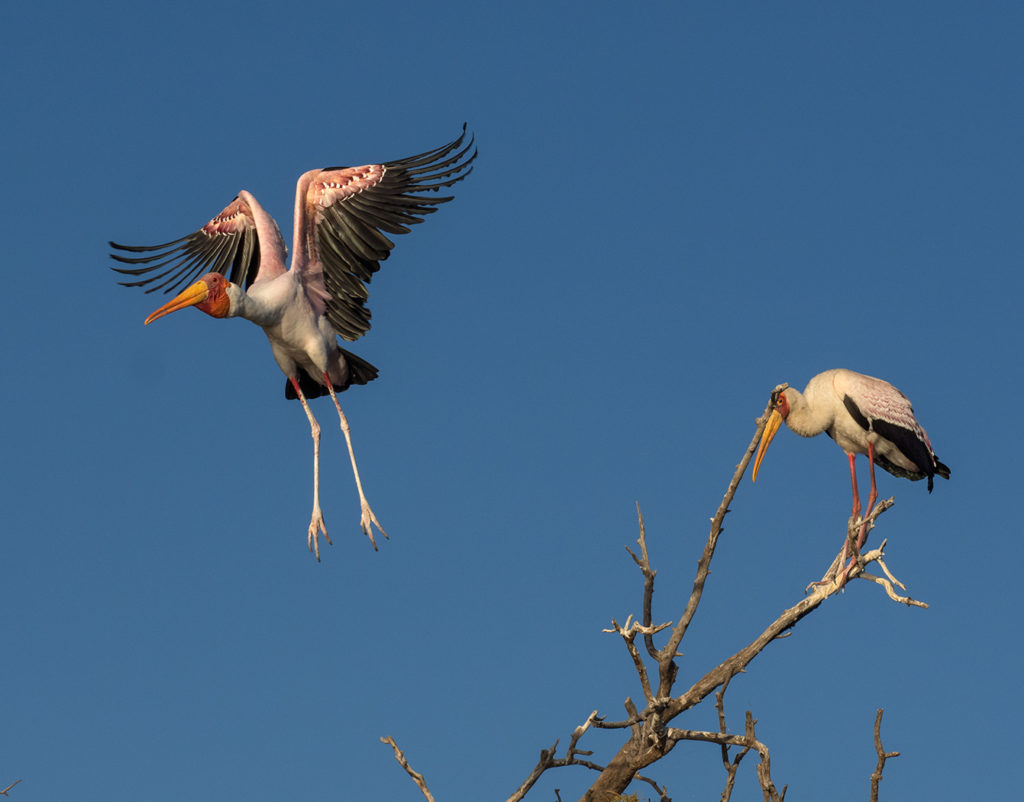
[
  {"x": 236, "y": 218},
  {"x": 319, "y": 190},
  {"x": 241, "y": 240},
  {"x": 341, "y": 214},
  {"x": 339, "y": 184},
  {"x": 881, "y": 401}
]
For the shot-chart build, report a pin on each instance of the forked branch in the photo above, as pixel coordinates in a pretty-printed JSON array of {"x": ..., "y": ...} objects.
[
  {"x": 748, "y": 741},
  {"x": 876, "y": 776}
]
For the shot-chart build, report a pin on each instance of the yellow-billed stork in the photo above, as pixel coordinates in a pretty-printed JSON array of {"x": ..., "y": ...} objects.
[
  {"x": 863, "y": 415},
  {"x": 340, "y": 214}
]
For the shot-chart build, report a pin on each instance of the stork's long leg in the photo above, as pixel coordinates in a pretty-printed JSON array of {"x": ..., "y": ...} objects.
[
  {"x": 316, "y": 523},
  {"x": 853, "y": 482},
  {"x": 853, "y": 517},
  {"x": 872, "y": 498},
  {"x": 872, "y": 495},
  {"x": 367, "y": 518}
]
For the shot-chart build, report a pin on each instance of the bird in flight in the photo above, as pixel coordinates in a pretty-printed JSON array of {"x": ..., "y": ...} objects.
[{"x": 234, "y": 266}]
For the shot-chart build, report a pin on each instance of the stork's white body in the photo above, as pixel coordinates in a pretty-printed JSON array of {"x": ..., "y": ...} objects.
[
  {"x": 340, "y": 216},
  {"x": 299, "y": 338},
  {"x": 821, "y": 408}
]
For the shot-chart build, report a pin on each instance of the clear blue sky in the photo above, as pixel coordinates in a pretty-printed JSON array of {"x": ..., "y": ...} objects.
[{"x": 672, "y": 211}]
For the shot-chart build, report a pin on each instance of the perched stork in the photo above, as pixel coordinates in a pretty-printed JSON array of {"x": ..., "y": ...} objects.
[
  {"x": 340, "y": 214},
  {"x": 864, "y": 415}
]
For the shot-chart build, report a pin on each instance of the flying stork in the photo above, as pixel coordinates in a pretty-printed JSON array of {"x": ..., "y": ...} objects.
[
  {"x": 340, "y": 216},
  {"x": 863, "y": 415}
]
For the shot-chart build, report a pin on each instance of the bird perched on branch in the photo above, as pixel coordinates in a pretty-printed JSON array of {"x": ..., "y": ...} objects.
[
  {"x": 341, "y": 214},
  {"x": 863, "y": 415}
]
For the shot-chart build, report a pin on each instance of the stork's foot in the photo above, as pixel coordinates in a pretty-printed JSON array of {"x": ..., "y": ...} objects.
[
  {"x": 367, "y": 521},
  {"x": 316, "y": 528},
  {"x": 845, "y": 573}
]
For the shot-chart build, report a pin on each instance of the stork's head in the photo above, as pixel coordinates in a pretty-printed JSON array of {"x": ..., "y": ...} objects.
[
  {"x": 212, "y": 294},
  {"x": 780, "y": 411}
]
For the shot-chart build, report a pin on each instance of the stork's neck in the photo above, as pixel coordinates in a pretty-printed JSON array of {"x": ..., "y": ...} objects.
[
  {"x": 246, "y": 305},
  {"x": 809, "y": 415}
]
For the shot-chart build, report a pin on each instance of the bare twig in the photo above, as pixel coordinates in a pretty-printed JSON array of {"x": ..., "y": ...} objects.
[
  {"x": 644, "y": 563},
  {"x": 416, "y": 776},
  {"x": 629, "y": 633},
  {"x": 572, "y": 758},
  {"x": 764, "y": 768},
  {"x": 883, "y": 756},
  {"x": 885, "y": 583},
  {"x": 882, "y": 565},
  {"x": 748, "y": 740},
  {"x": 662, "y": 791},
  {"x": 5, "y": 792},
  {"x": 666, "y": 659},
  {"x": 601, "y": 724},
  {"x": 546, "y": 761},
  {"x": 730, "y": 766},
  {"x": 577, "y": 733},
  {"x": 876, "y": 556}
]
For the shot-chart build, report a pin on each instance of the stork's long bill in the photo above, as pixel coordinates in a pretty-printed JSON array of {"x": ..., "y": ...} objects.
[
  {"x": 195, "y": 294},
  {"x": 769, "y": 432},
  {"x": 208, "y": 295}
]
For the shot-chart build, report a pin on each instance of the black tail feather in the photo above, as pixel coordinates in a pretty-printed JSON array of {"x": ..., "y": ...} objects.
[
  {"x": 359, "y": 372},
  {"x": 940, "y": 469}
]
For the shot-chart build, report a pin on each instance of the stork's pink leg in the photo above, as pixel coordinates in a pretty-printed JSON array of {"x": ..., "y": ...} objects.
[
  {"x": 853, "y": 482},
  {"x": 316, "y": 523},
  {"x": 853, "y": 517},
  {"x": 872, "y": 498},
  {"x": 367, "y": 517},
  {"x": 872, "y": 495}
]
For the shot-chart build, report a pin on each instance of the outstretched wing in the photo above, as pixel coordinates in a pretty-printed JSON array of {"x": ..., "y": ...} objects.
[
  {"x": 341, "y": 214},
  {"x": 242, "y": 243}
]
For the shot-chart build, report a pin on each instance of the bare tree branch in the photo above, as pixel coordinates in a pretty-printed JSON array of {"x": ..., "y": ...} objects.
[
  {"x": 416, "y": 776},
  {"x": 876, "y": 556},
  {"x": 629, "y": 633},
  {"x": 649, "y": 573},
  {"x": 601, "y": 724},
  {"x": 883, "y": 756},
  {"x": 666, "y": 659},
  {"x": 648, "y": 742},
  {"x": 5, "y": 792},
  {"x": 748, "y": 740},
  {"x": 547, "y": 760},
  {"x": 662, "y": 791},
  {"x": 650, "y": 737},
  {"x": 730, "y": 766}
]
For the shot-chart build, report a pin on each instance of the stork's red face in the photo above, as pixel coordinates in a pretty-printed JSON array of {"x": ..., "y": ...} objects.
[
  {"x": 780, "y": 411},
  {"x": 209, "y": 295}
]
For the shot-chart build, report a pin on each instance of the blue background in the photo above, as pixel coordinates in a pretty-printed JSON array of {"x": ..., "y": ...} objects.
[{"x": 675, "y": 207}]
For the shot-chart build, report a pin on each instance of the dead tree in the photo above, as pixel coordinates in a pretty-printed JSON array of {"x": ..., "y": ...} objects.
[{"x": 649, "y": 734}]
